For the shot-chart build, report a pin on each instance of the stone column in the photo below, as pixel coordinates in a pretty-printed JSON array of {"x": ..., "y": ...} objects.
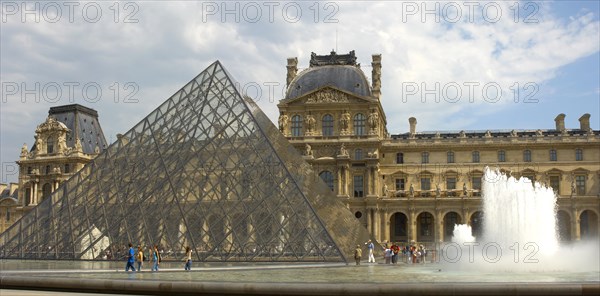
[
  {"x": 576, "y": 225},
  {"x": 369, "y": 222},
  {"x": 440, "y": 224},
  {"x": 385, "y": 225},
  {"x": 377, "y": 226},
  {"x": 34, "y": 195},
  {"x": 413, "y": 226}
]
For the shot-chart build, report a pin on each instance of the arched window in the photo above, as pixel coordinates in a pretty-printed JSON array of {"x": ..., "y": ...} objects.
[
  {"x": 296, "y": 126},
  {"x": 327, "y": 125},
  {"x": 450, "y": 157},
  {"x": 359, "y": 124},
  {"x": 327, "y": 177},
  {"x": 527, "y": 156},
  {"x": 358, "y": 154}
]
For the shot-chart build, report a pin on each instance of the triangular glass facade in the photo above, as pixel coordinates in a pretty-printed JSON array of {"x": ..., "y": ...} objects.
[{"x": 206, "y": 169}]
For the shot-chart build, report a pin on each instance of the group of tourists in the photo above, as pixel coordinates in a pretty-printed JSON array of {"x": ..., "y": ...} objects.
[
  {"x": 139, "y": 256},
  {"x": 413, "y": 253}
]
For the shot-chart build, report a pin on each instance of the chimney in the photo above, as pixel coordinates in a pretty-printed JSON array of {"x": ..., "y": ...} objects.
[
  {"x": 376, "y": 75},
  {"x": 292, "y": 69},
  {"x": 413, "y": 125},
  {"x": 560, "y": 122},
  {"x": 584, "y": 122}
]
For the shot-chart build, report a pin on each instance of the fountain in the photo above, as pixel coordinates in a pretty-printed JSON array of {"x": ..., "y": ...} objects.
[{"x": 519, "y": 231}]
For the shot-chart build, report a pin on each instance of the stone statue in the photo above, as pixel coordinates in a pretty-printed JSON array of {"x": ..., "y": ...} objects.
[
  {"x": 38, "y": 144},
  {"x": 539, "y": 133},
  {"x": 343, "y": 150},
  {"x": 573, "y": 186},
  {"x": 310, "y": 124},
  {"x": 283, "y": 122},
  {"x": 24, "y": 150},
  {"x": 344, "y": 121},
  {"x": 411, "y": 190},
  {"x": 488, "y": 134},
  {"x": 78, "y": 147},
  {"x": 373, "y": 120},
  {"x": 462, "y": 134},
  {"x": 62, "y": 143},
  {"x": 385, "y": 190},
  {"x": 465, "y": 189},
  {"x": 308, "y": 150},
  {"x": 438, "y": 191},
  {"x": 513, "y": 133}
]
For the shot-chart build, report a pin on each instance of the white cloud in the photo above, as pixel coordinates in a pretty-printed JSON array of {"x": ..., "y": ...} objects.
[{"x": 171, "y": 43}]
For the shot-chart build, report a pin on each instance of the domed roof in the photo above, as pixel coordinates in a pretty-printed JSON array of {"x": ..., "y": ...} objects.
[{"x": 344, "y": 77}]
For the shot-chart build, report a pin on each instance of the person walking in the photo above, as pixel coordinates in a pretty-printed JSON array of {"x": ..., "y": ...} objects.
[
  {"x": 155, "y": 258},
  {"x": 387, "y": 254},
  {"x": 395, "y": 250},
  {"x": 370, "y": 246},
  {"x": 357, "y": 254},
  {"x": 130, "y": 258},
  {"x": 140, "y": 258},
  {"x": 188, "y": 258}
]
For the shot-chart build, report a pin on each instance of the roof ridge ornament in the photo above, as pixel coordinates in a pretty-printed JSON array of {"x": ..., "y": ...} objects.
[{"x": 333, "y": 59}]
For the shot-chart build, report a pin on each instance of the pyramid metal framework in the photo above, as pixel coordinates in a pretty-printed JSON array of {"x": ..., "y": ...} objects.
[{"x": 206, "y": 169}]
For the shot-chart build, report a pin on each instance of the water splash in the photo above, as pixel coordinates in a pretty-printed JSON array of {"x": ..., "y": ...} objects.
[{"x": 518, "y": 212}]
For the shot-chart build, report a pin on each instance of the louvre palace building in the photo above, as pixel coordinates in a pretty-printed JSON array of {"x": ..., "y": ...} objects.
[
  {"x": 415, "y": 186},
  {"x": 412, "y": 186}
]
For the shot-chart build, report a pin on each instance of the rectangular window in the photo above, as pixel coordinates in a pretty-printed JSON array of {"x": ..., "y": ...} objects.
[
  {"x": 476, "y": 156},
  {"x": 579, "y": 154},
  {"x": 580, "y": 182},
  {"x": 67, "y": 168},
  {"x": 450, "y": 157},
  {"x": 358, "y": 186},
  {"x": 400, "y": 157},
  {"x": 425, "y": 157},
  {"x": 400, "y": 184},
  {"x": 553, "y": 155},
  {"x": 27, "y": 196},
  {"x": 29, "y": 170},
  {"x": 555, "y": 183},
  {"x": 476, "y": 181},
  {"x": 451, "y": 185},
  {"x": 425, "y": 184},
  {"x": 527, "y": 156},
  {"x": 501, "y": 156}
]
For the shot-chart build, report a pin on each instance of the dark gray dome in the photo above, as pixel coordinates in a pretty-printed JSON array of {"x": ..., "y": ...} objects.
[{"x": 347, "y": 78}]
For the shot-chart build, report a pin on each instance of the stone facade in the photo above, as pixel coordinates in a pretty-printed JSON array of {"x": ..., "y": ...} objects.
[
  {"x": 417, "y": 185},
  {"x": 64, "y": 143}
]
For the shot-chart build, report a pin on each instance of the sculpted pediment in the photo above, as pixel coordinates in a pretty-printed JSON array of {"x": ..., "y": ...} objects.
[{"x": 327, "y": 95}]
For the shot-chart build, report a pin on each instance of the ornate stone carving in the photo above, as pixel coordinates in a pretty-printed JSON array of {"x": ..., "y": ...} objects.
[
  {"x": 283, "y": 123},
  {"x": 24, "y": 151},
  {"x": 343, "y": 151},
  {"x": 327, "y": 96},
  {"x": 333, "y": 59},
  {"x": 344, "y": 122},
  {"x": 308, "y": 150},
  {"x": 373, "y": 121},
  {"x": 310, "y": 124}
]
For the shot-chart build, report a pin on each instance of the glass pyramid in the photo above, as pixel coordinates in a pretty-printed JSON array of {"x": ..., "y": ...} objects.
[{"x": 206, "y": 169}]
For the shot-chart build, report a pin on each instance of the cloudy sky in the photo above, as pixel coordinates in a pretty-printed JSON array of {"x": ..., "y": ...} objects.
[{"x": 453, "y": 65}]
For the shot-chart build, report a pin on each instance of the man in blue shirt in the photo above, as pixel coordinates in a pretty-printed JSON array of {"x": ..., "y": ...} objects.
[
  {"x": 130, "y": 258},
  {"x": 371, "y": 246}
]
